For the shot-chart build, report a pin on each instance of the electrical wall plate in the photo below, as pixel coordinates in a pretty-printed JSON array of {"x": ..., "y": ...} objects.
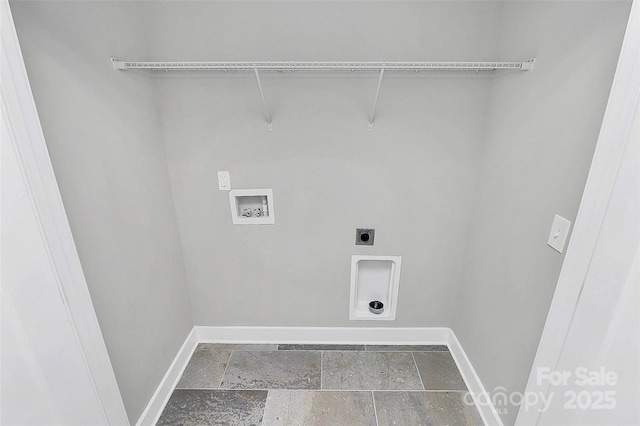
[
  {"x": 224, "y": 181},
  {"x": 559, "y": 233}
]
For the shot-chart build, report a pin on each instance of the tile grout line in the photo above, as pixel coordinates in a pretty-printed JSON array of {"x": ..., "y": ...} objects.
[
  {"x": 321, "y": 358},
  {"x": 418, "y": 370},
  {"x": 375, "y": 409},
  {"x": 322, "y": 390},
  {"x": 225, "y": 369},
  {"x": 348, "y": 351},
  {"x": 394, "y": 352}
]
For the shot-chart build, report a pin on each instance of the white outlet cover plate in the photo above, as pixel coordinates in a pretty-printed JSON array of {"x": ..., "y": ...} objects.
[
  {"x": 224, "y": 181},
  {"x": 559, "y": 233}
]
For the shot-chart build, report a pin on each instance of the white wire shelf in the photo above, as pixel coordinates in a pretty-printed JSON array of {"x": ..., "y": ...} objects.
[
  {"x": 324, "y": 66},
  {"x": 380, "y": 67}
]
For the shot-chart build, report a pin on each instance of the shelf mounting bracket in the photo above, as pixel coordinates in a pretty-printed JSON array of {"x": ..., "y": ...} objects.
[
  {"x": 375, "y": 102},
  {"x": 264, "y": 102}
]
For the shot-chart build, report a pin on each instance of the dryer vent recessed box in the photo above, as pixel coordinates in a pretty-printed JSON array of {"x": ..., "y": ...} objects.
[{"x": 252, "y": 207}]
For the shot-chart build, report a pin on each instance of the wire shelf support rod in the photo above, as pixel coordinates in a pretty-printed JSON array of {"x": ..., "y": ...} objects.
[
  {"x": 264, "y": 102},
  {"x": 375, "y": 102}
]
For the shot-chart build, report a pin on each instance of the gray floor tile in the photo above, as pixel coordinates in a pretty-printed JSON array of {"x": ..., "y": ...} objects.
[
  {"x": 313, "y": 408},
  {"x": 369, "y": 371},
  {"x": 244, "y": 347},
  {"x": 205, "y": 369},
  {"x": 321, "y": 347},
  {"x": 425, "y": 408},
  {"x": 407, "y": 348},
  {"x": 213, "y": 407},
  {"x": 273, "y": 370},
  {"x": 439, "y": 371}
]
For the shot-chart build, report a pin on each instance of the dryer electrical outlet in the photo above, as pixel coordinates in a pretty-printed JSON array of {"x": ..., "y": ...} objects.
[{"x": 365, "y": 236}]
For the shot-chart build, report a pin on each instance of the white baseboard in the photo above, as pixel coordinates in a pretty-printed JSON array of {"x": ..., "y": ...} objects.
[
  {"x": 162, "y": 394},
  {"x": 487, "y": 410},
  {"x": 326, "y": 335}
]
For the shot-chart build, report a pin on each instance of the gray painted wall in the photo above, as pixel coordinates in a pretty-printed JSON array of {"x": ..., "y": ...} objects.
[
  {"x": 411, "y": 178},
  {"x": 102, "y": 131},
  {"x": 534, "y": 164}
]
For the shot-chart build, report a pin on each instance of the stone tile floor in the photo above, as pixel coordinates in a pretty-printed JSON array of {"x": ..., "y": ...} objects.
[{"x": 309, "y": 385}]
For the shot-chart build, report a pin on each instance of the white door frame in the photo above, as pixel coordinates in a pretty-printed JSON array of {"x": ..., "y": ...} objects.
[
  {"x": 607, "y": 158},
  {"x": 20, "y": 109}
]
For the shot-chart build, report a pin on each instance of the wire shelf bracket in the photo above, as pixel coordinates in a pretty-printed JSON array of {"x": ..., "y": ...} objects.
[
  {"x": 381, "y": 67},
  {"x": 375, "y": 102},
  {"x": 264, "y": 102}
]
